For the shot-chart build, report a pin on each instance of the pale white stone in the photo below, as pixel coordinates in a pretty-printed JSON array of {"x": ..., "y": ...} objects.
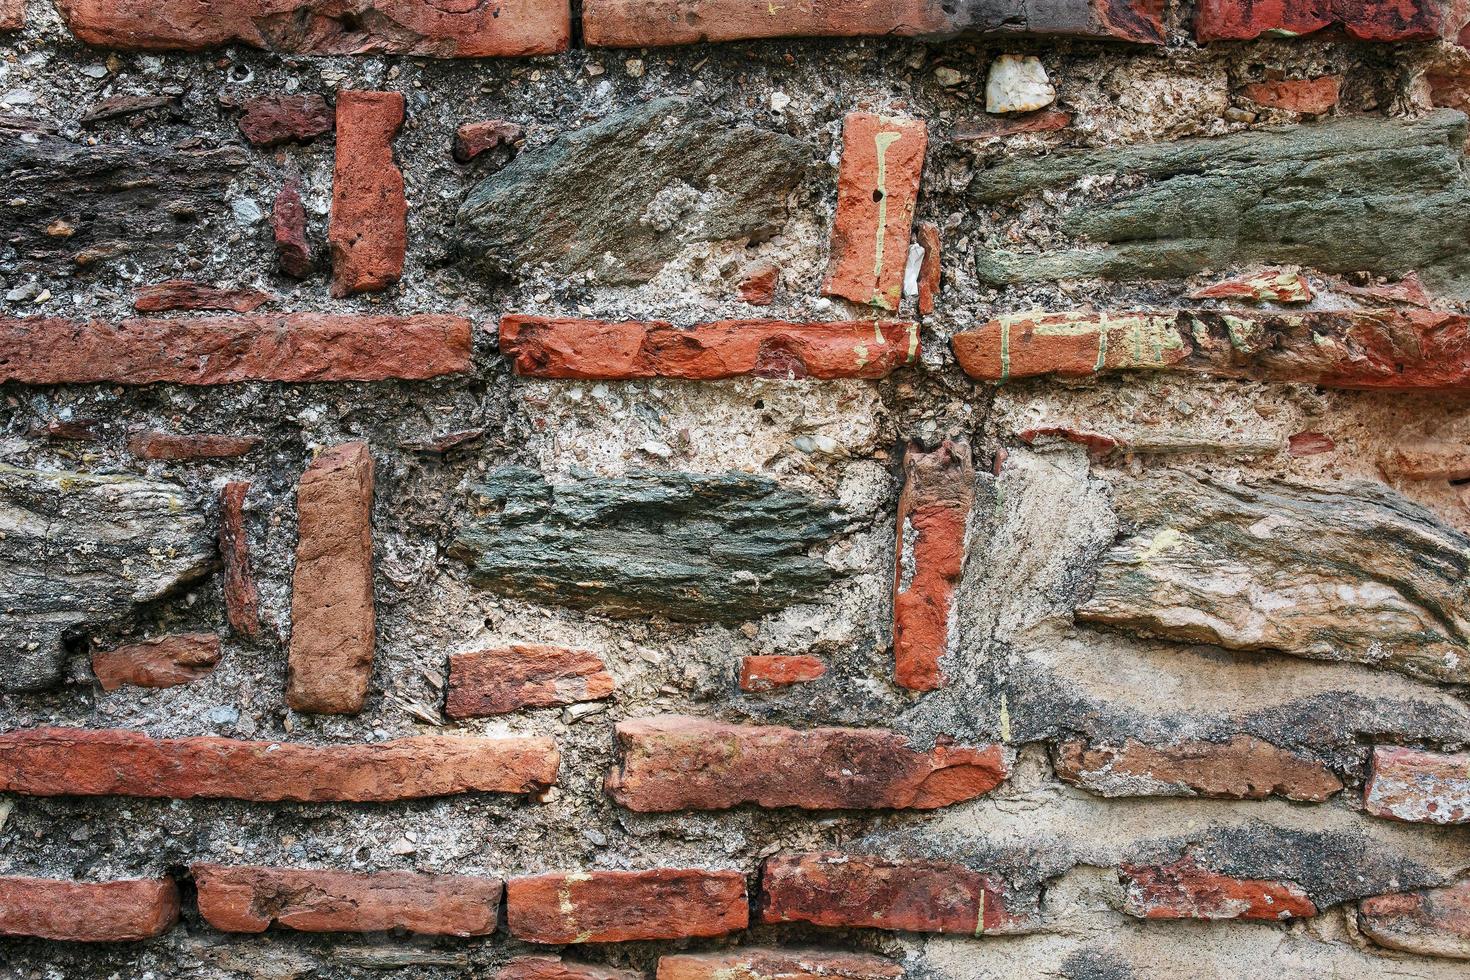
[
  {"x": 1018, "y": 84},
  {"x": 911, "y": 269}
]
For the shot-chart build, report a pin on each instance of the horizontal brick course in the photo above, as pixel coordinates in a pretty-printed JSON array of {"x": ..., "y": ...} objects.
[
  {"x": 111, "y": 762},
  {"x": 1419, "y": 787},
  {"x": 1367, "y": 20},
  {"x": 1242, "y": 768},
  {"x": 505, "y": 679},
  {"x": 619, "y": 906},
  {"x": 85, "y": 911},
  {"x": 168, "y": 447},
  {"x": 1185, "y": 890}
]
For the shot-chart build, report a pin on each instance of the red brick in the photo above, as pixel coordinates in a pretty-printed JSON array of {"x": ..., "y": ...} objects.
[
  {"x": 999, "y": 127},
  {"x": 1309, "y": 444},
  {"x": 270, "y": 120},
  {"x": 933, "y": 510},
  {"x": 864, "y": 892},
  {"x": 332, "y": 622},
  {"x": 1368, "y": 20},
  {"x": 1266, "y": 286},
  {"x": 168, "y": 447},
  {"x": 761, "y": 674},
  {"x": 288, "y": 228},
  {"x": 654, "y": 23},
  {"x": 505, "y": 679},
  {"x": 59, "y": 430},
  {"x": 368, "y": 232},
  {"x": 1363, "y": 349},
  {"x": 1312, "y": 96},
  {"x": 163, "y": 662},
  {"x": 438, "y": 29},
  {"x": 114, "y": 762},
  {"x": 553, "y": 347},
  {"x": 1427, "y": 459},
  {"x": 1408, "y": 291},
  {"x": 87, "y": 911},
  {"x": 1419, "y": 787},
  {"x": 472, "y": 139},
  {"x": 877, "y": 191},
  {"x": 619, "y": 906},
  {"x": 1243, "y": 768},
  {"x": 1430, "y": 922},
  {"x": 1184, "y": 890},
  {"x": 242, "y": 599},
  {"x": 184, "y": 294},
  {"x": 757, "y": 963},
  {"x": 556, "y": 968},
  {"x": 252, "y": 899},
  {"x": 227, "y": 349},
  {"x": 681, "y": 763},
  {"x": 12, "y": 15},
  {"x": 929, "y": 268},
  {"x": 1099, "y": 443},
  {"x": 757, "y": 285}
]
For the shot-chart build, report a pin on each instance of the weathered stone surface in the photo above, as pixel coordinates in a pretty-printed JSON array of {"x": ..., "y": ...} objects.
[
  {"x": 630, "y": 24},
  {"x": 162, "y": 662},
  {"x": 494, "y": 682},
  {"x": 114, "y": 199},
  {"x": 1312, "y": 96},
  {"x": 1351, "y": 572},
  {"x": 758, "y": 963},
  {"x": 676, "y": 762},
  {"x": 216, "y": 350},
  {"x": 251, "y": 899},
  {"x": 1185, "y": 890},
  {"x": 368, "y": 232},
  {"x": 1419, "y": 787},
  {"x": 1408, "y": 291},
  {"x": 620, "y": 906},
  {"x": 929, "y": 268},
  {"x": 288, "y": 227},
  {"x": 622, "y": 197},
  {"x": 473, "y": 139},
  {"x": 1427, "y": 459},
  {"x": 1243, "y": 768},
  {"x": 1388, "y": 349},
  {"x": 877, "y": 191},
  {"x": 270, "y": 120},
  {"x": 829, "y": 888},
  {"x": 767, "y": 673},
  {"x": 1266, "y": 567},
  {"x": 436, "y": 29},
  {"x": 1016, "y": 84},
  {"x": 557, "y": 347},
  {"x": 166, "y": 446},
  {"x": 682, "y": 545},
  {"x": 185, "y": 294},
  {"x": 242, "y": 599},
  {"x": 112, "y": 762},
  {"x": 933, "y": 512},
  {"x": 1430, "y": 922},
  {"x": 1266, "y": 286},
  {"x": 79, "y": 549},
  {"x": 1382, "y": 195},
  {"x": 88, "y": 911},
  {"x": 556, "y": 968},
  {"x": 332, "y": 622},
  {"x": 1367, "y": 20}
]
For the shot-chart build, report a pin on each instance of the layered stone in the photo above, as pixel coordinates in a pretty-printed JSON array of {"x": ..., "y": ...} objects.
[
  {"x": 1243, "y": 768},
  {"x": 498, "y": 681},
  {"x": 621, "y": 906}
]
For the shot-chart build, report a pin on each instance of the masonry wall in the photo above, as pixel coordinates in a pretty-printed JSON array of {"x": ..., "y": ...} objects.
[{"x": 724, "y": 488}]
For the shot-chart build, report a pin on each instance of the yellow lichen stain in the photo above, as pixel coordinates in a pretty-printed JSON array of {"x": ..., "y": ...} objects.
[
  {"x": 913, "y": 329},
  {"x": 862, "y": 355},
  {"x": 1166, "y": 540},
  {"x": 1005, "y": 719},
  {"x": 980, "y": 919},
  {"x": 882, "y": 139}
]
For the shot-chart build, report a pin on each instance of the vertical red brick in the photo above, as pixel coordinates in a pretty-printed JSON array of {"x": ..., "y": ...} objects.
[
  {"x": 933, "y": 511},
  {"x": 369, "y": 227},
  {"x": 88, "y": 912},
  {"x": 929, "y": 269},
  {"x": 332, "y": 623},
  {"x": 288, "y": 228},
  {"x": 163, "y": 662},
  {"x": 1184, "y": 890},
  {"x": 619, "y": 906},
  {"x": 242, "y": 599},
  {"x": 877, "y": 191}
]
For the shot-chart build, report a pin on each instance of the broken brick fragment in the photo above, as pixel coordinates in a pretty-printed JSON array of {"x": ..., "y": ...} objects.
[
  {"x": 1309, "y": 96},
  {"x": 929, "y": 268},
  {"x": 505, "y": 679},
  {"x": 1309, "y": 444},
  {"x": 762, "y": 674},
  {"x": 368, "y": 232},
  {"x": 758, "y": 963},
  {"x": 242, "y": 599},
  {"x": 270, "y": 120},
  {"x": 621, "y": 906},
  {"x": 166, "y": 661},
  {"x": 757, "y": 285},
  {"x": 288, "y": 228},
  {"x": 12, "y": 15},
  {"x": 1268, "y": 285},
  {"x": 169, "y": 447},
  {"x": 1430, "y": 922},
  {"x": 184, "y": 294},
  {"x": 556, "y": 968},
  {"x": 1427, "y": 459},
  {"x": 1185, "y": 890},
  {"x": 473, "y": 139},
  {"x": 88, "y": 911},
  {"x": 1244, "y": 768},
  {"x": 998, "y": 127},
  {"x": 1417, "y": 786},
  {"x": 1379, "y": 20}
]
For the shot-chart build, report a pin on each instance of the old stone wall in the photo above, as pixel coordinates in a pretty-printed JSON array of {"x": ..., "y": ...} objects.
[{"x": 718, "y": 488}]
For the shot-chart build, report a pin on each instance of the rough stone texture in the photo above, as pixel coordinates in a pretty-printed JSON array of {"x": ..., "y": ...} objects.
[
  {"x": 294, "y": 254},
  {"x": 756, "y": 963},
  {"x": 1017, "y": 84},
  {"x": 495, "y": 682},
  {"x": 759, "y": 675},
  {"x": 1432, "y": 921},
  {"x": 877, "y": 191},
  {"x": 862, "y": 891},
  {"x": 183, "y": 294},
  {"x": 162, "y": 662},
  {"x": 332, "y": 621},
  {"x": 78, "y": 762},
  {"x": 1185, "y": 890},
  {"x": 81, "y": 550},
  {"x": 680, "y": 545},
  {"x": 368, "y": 232},
  {"x": 619, "y": 906},
  {"x": 1420, "y": 787},
  {"x": 1265, "y": 568},
  {"x": 87, "y": 911},
  {"x": 1368, "y": 20},
  {"x": 217, "y": 350},
  {"x": 441, "y": 29},
  {"x": 168, "y": 447},
  {"x": 621, "y": 198},
  {"x": 473, "y": 139},
  {"x": 1427, "y": 459},
  {"x": 1389, "y": 196},
  {"x": 1266, "y": 286},
  {"x": 251, "y": 899},
  {"x": 556, "y": 968},
  {"x": 933, "y": 515},
  {"x": 683, "y": 763},
  {"x": 1311, "y": 96},
  {"x": 1388, "y": 349},
  {"x": 270, "y": 120},
  {"x": 242, "y": 597},
  {"x": 1243, "y": 768},
  {"x": 550, "y": 347}
]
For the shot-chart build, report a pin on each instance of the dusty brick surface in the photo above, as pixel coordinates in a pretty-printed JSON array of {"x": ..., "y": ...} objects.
[
  {"x": 1419, "y": 787},
  {"x": 162, "y": 662},
  {"x": 87, "y": 911},
  {"x": 505, "y": 679},
  {"x": 1432, "y": 921},
  {"x": 620, "y": 906},
  {"x": 184, "y": 294},
  {"x": 270, "y": 120}
]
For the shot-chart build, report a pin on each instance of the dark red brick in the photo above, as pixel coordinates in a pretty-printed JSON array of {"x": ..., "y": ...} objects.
[
  {"x": 163, "y": 662},
  {"x": 368, "y": 232},
  {"x": 1430, "y": 922},
  {"x": 761, "y": 674},
  {"x": 168, "y": 447},
  {"x": 88, "y": 911},
  {"x": 1419, "y": 787},
  {"x": 1368, "y": 20},
  {"x": 758, "y": 963},
  {"x": 619, "y": 906},
  {"x": 929, "y": 268},
  {"x": 270, "y": 120},
  {"x": 288, "y": 228},
  {"x": 999, "y": 127},
  {"x": 184, "y": 294},
  {"x": 242, "y": 599},
  {"x": 933, "y": 510},
  {"x": 1184, "y": 890},
  {"x": 505, "y": 679},
  {"x": 473, "y": 139}
]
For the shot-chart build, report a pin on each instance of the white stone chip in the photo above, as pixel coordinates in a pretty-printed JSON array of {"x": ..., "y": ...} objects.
[
  {"x": 1018, "y": 84},
  {"x": 911, "y": 269}
]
